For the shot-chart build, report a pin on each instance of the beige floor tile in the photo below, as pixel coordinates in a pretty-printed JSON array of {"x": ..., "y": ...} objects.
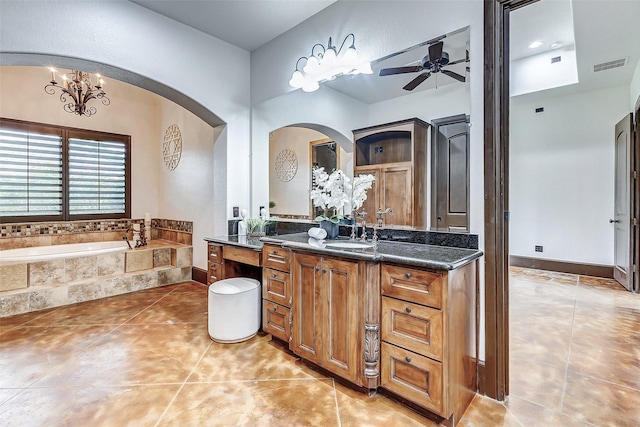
[
  {"x": 255, "y": 359},
  {"x": 27, "y": 354},
  {"x": 8, "y": 393},
  {"x": 170, "y": 309},
  {"x": 531, "y": 414},
  {"x": 105, "y": 311},
  {"x": 600, "y": 402},
  {"x": 484, "y": 412},
  {"x": 93, "y": 406},
  {"x": 136, "y": 354},
  {"x": 542, "y": 384},
  {"x": 607, "y": 363},
  {"x": 255, "y": 403}
]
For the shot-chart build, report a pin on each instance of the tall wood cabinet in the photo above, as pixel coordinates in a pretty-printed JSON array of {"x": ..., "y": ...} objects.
[{"x": 396, "y": 155}]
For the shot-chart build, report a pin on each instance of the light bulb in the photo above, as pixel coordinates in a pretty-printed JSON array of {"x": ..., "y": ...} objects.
[
  {"x": 350, "y": 56},
  {"x": 312, "y": 65},
  {"x": 329, "y": 58},
  {"x": 297, "y": 79},
  {"x": 310, "y": 85}
]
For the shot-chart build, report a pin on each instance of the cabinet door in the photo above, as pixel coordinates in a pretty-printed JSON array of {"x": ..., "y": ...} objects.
[
  {"x": 372, "y": 204},
  {"x": 396, "y": 192},
  {"x": 341, "y": 336},
  {"x": 306, "y": 307}
]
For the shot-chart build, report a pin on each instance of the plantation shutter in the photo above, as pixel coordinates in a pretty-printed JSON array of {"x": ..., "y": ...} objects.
[
  {"x": 30, "y": 172},
  {"x": 97, "y": 177}
]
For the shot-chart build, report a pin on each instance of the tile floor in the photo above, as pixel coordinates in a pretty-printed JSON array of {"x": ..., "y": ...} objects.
[{"x": 145, "y": 359}]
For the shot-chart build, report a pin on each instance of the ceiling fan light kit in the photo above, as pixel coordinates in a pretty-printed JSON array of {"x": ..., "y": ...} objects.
[
  {"x": 326, "y": 63},
  {"x": 433, "y": 63}
]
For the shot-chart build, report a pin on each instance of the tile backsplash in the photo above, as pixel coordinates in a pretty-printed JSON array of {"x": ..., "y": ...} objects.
[{"x": 21, "y": 235}]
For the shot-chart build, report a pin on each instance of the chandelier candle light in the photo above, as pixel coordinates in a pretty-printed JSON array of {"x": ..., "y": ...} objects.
[
  {"x": 327, "y": 63},
  {"x": 77, "y": 90}
]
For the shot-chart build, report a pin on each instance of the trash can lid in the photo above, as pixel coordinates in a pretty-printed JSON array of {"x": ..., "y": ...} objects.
[{"x": 235, "y": 285}]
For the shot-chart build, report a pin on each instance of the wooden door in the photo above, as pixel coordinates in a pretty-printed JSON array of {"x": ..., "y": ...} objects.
[
  {"x": 340, "y": 332},
  {"x": 450, "y": 174},
  {"x": 396, "y": 192},
  {"x": 306, "y": 307},
  {"x": 372, "y": 204},
  {"x": 623, "y": 220}
]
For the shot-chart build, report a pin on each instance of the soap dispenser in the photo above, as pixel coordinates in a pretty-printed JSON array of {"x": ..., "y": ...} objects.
[{"x": 242, "y": 225}]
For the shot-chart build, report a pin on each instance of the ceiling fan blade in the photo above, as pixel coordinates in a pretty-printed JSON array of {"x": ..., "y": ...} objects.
[
  {"x": 415, "y": 82},
  {"x": 400, "y": 70},
  {"x": 435, "y": 51},
  {"x": 456, "y": 76},
  {"x": 458, "y": 61}
]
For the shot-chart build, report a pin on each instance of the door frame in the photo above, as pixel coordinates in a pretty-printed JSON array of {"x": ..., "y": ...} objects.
[{"x": 496, "y": 187}]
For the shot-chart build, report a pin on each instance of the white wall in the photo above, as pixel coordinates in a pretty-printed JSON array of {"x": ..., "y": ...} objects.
[
  {"x": 124, "y": 35},
  {"x": 562, "y": 175},
  {"x": 635, "y": 87}
]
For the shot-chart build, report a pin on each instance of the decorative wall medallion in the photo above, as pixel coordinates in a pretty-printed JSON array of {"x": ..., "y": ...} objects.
[
  {"x": 286, "y": 165},
  {"x": 172, "y": 147}
]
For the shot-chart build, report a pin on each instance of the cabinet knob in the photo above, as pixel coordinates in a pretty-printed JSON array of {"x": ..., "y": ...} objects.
[
  {"x": 408, "y": 309},
  {"x": 274, "y": 309},
  {"x": 408, "y": 359},
  {"x": 407, "y": 275},
  {"x": 275, "y": 252},
  {"x": 317, "y": 268},
  {"x": 324, "y": 270},
  {"x": 274, "y": 275}
]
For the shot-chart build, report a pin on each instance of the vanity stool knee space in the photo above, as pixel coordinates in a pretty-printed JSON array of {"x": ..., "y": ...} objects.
[{"x": 234, "y": 309}]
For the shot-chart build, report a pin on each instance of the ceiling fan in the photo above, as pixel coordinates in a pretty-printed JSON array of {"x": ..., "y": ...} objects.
[{"x": 432, "y": 63}]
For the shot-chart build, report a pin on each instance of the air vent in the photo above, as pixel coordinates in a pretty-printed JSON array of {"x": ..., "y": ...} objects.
[
  {"x": 609, "y": 65},
  {"x": 556, "y": 59}
]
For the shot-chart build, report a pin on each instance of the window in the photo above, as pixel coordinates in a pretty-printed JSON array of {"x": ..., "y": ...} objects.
[{"x": 53, "y": 173}]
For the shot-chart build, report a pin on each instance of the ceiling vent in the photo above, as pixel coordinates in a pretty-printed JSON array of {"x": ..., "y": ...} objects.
[{"x": 609, "y": 65}]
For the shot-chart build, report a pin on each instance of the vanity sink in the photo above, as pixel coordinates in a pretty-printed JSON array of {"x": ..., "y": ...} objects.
[{"x": 348, "y": 245}]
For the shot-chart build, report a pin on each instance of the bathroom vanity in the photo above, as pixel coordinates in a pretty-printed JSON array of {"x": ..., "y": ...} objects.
[{"x": 400, "y": 318}]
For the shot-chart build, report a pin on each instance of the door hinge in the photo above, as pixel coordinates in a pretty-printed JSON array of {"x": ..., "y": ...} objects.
[
  {"x": 635, "y": 222},
  {"x": 506, "y": 216}
]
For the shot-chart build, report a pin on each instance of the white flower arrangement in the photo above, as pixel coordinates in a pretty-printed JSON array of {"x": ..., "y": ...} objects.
[{"x": 336, "y": 192}]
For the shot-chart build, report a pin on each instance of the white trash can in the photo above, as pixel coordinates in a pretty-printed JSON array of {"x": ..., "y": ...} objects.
[{"x": 234, "y": 309}]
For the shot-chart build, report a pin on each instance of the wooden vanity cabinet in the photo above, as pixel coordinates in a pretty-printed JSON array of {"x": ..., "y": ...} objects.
[
  {"x": 327, "y": 308},
  {"x": 276, "y": 292},
  {"x": 215, "y": 267},
  {"x": 428, "y": 350},
  {"x": 396, "y": 155}
]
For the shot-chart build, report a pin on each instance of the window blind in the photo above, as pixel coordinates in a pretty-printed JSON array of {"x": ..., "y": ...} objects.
[
  {"x": 30, "y": 173},
  {"x": 97, "y": 177}
]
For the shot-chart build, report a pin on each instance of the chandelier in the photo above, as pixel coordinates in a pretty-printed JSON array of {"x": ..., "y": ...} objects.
[
  {"x": 326, "y": 64},
  {"x": 76, "y": 90}
]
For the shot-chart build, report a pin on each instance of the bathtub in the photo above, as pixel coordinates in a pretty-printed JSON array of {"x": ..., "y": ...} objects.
[{"x": 45, "y": 253}]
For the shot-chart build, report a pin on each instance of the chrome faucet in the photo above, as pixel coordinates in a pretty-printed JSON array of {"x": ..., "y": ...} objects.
[
  {"x": 362, "y": 215},
  {"x": 382, "y": 212}
]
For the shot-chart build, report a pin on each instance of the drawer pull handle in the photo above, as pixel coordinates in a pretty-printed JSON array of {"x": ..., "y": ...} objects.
[
  {"x": 408, "y": 359},
  {"x": 274, "y": 275},
  {"x": 324, "y": 270},
  {"x": 408, "y": 309},
  {"x": 275, "y": 252},
  {"x": 407, "y": 275},
  {"x": 317, "y": 268},
  {"x": 275, "y": 309}
]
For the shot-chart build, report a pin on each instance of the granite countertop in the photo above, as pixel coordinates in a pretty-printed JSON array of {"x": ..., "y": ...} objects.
[{"x": 415, "y": 254}]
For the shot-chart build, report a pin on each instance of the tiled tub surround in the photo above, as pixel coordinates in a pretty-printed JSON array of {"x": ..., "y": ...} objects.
[
  {"x": 33, "y": 286},
  {"x": 24, "y": 235}
]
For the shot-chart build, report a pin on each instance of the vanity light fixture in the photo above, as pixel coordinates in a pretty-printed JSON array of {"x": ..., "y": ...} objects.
[
  {"x": 326, "y": 64},
  {"x": 76, "y": 90}
]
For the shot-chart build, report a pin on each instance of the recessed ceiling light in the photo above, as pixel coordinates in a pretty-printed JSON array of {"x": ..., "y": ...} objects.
[
  {"x": 555, "y": 45},
  {"x": 535, "y": 44}
]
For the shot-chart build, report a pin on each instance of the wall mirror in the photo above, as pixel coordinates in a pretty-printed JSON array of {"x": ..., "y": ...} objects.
[{"x": 412, "y": 89}]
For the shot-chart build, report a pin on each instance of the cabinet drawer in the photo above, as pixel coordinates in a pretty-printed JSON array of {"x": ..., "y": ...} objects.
[
  {"x": 276, "y": 286},
  {"x": 421, "y": 287},
  {"x": 242, "y": 255},
  {"x": 412, "y": 326},
  {"x": 214, "y": 272},
  {"x": 275, "y": 320},
  {"x": 414, "y": 377},
  {"x": 276, "y": 258},
  {"x": 215, "y": 253}
]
